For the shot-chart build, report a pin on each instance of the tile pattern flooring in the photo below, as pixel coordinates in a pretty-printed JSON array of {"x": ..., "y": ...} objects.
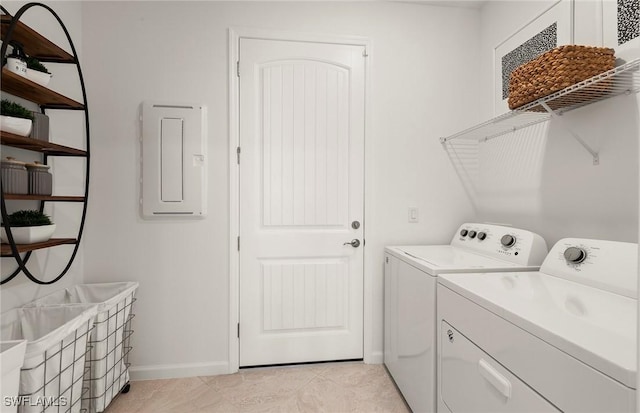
[{"x": 332, "y": 387}]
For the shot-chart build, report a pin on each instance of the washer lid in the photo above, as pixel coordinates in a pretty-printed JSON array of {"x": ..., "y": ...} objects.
[
  {"x": 595, "y": 326},
  {"x": 442, "y": 259}
]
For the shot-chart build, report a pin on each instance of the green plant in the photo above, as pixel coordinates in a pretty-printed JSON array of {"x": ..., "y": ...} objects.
[
  {"x": 33, "y": 63},
  {"x": 28, "y": 218},
  {"x": 9, "y": 108}
]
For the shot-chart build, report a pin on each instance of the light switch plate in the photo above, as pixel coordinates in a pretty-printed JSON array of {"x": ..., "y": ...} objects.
[{"x": 414, "y": 215}]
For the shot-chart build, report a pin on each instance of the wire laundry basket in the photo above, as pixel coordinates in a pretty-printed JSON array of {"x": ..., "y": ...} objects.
[
  {"x": 109, "y": 357},
  {"x": 53, "y": 377},
  {"x": 110, "y": 342}
]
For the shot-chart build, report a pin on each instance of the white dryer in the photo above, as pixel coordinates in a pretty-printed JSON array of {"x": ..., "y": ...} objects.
[
  {"x": 410, "y": 296},
  {"x": 561, "y": 339}
]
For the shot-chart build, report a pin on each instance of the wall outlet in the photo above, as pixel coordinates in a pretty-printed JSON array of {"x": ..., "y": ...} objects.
[{"x": 413, "y": 214}]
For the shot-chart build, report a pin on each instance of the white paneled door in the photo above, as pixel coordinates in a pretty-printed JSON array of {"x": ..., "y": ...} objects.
[{"x": 301, "y": 201}]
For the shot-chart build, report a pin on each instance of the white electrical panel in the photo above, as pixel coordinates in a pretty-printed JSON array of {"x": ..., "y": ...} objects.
[{"x": 174, "y": 163}]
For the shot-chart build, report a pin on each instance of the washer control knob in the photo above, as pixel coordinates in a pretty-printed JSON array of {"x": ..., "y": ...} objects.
[
  {"x": 482, "y": 236},
  {"x": 575, "y": 255},
  {"x": 472, "y": 234},
  {"x": 508, "y": 240},
  {"x": 464, "y": 233}
]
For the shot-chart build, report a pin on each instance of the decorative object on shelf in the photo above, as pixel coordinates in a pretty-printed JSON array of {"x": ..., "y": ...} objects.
[
  {"x": 621, "y": 27},
  {"x": 15, "y": 118},
  {"x": 37, "y": 72},
  {"x": 40, "y": 128},
  {"x": 555, "y": 70},
  {"x": 17, "y": 60},
  {"x": 40, "y": 180},
  {"x": 551, "y": 28},
  {"x": 28, "y": 227},
  {"x": 15, "y": 178}
]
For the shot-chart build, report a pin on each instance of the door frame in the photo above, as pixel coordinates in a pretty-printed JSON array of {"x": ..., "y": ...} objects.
[{"x": 235, "y": 34}]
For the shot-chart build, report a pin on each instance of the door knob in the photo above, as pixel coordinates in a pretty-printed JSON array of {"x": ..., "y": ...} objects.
[{"x": 354, "y": 243}]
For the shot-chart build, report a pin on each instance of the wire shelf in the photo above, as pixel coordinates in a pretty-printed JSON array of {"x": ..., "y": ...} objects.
[{"x": 624, "y": 79}]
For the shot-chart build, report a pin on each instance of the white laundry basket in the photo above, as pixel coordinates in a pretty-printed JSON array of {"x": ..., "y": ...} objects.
[
  {"x": 110, "y": 345},
  {"x": 11, "y": 361},
  {"x": 51, "y": 378}
]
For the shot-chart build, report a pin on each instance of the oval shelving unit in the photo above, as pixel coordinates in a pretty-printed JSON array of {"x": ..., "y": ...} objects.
[{"x": 38, "y": 46}]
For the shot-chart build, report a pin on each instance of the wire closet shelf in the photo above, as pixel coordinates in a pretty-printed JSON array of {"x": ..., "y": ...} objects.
[{"x": 624, "y": 79}]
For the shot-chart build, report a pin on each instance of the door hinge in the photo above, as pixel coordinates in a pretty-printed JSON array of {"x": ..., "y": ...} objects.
[
  {"x": 238, "y": 68},
  {"x": 238, "y": 154},
  {"x": 386, "y": 259},
  {"x": 238, "y": 243},
  {"x": 364, "y": 53},
  {"x": 238, "y": 330}
]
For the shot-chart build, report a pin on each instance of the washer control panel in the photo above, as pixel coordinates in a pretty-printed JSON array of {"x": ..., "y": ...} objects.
[
  {"x": 512, "y": 244},
  {"x": 607, "y": 265}
]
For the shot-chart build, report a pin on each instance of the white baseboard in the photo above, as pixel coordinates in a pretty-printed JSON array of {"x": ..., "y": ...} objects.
[
  {"x": 375, "y": 357},
  {"x": 173, "y": 371}
]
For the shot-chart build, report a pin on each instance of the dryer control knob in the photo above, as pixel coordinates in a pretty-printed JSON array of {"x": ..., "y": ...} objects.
[
  {"x": 482, "y": 236},
  {"x": 575, "y": 255},
  {"x": 508, "y": 240},
  {"x": 464, "y": 233},
  {"x": 472, "y": 234}
]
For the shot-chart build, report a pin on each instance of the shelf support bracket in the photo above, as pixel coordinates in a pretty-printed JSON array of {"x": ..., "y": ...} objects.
[{"x": 561, "y": 121}]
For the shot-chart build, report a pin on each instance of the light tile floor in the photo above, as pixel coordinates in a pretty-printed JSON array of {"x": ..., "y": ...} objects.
[{"x": 333, "y": 387}]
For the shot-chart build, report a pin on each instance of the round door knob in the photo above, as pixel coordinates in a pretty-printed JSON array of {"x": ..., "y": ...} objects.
[
  {"x": 464, "y": 233},
  {"x": 508, "y": 241},
  {"x": 482, "y": 236},
  {"x": 575, "y": 255},
  {"x": 472, "y": 234},
  {"x": 355, "y": 243}
]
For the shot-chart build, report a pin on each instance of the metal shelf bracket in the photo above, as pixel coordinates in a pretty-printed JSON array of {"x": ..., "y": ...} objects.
[{"x": 563, "y": 123}]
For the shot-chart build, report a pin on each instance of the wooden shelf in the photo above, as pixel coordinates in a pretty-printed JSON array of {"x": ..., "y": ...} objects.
[
  {"x": 50, "y": 198},
  {"x": 29, "y": 144},
  {"x": 22, "y": 87},
  {"x": 53, "y": 242},
  {"x": 34, "y": 44}
]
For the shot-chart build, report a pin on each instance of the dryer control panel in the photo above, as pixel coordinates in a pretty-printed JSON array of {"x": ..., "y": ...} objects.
[
  {"x": 607, "y": 265},
  {"x": 511, "y": 244}
]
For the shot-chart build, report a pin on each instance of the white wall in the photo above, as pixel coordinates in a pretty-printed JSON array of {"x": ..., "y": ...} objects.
[
  {"x": 547, "y": 182},
  {"x": 67, "y": 128},
  {"x": 177, "y": 51}
]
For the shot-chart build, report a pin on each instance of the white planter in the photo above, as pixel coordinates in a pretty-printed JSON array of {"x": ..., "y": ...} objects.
[
  {"x": 40, "y": 78},
  {"x": 16, "y": 66},
  {"x": 16, "y": 126},
  {"x": 29, "y": 235}
]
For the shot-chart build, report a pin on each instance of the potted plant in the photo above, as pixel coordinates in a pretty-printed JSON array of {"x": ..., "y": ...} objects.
[
  {"x": 15, "y": 118},
  {"x": 37, "y": 72},
  {"x": 28, "y": 227}
]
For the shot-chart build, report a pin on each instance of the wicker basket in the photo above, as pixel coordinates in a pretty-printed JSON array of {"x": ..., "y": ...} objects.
[{"x": 555, "y": 70}]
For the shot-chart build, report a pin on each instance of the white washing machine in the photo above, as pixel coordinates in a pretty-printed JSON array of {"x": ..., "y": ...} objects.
[
  {"x": 410, "y": 296},
  {"x": 559, "y": 339}
]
